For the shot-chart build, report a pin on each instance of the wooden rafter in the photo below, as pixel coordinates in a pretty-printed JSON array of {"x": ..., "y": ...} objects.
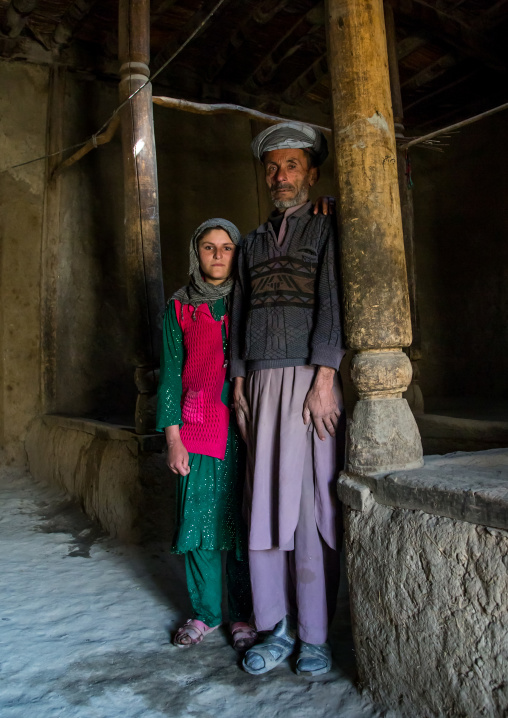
[
  {"x": 157, "y": 9},
  {"x": 71, "y": 20},
  {"x": 261, "y": 14},
  {"x": 430, "y": 73},
  {"x": 189, "y": 28},
  {"x": 16, "y": 16},
  {"x": 454, "y": 32},
  {"x": 306, "y": 81},
  {"x": 292, "y": 41},
  {"x": 439, "y": 91},
  {"x": 273, "y": 104},
  {"x": 408, "y": 45}
]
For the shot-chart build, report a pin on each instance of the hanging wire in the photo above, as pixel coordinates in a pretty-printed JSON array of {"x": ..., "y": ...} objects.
[{"x": 128, "y": 99}]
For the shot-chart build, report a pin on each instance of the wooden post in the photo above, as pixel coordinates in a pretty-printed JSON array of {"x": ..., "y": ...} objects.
[
  {"x": 142, "y": 241},
  {"x": 413, "y": 394},
  {"x": 51, "y": 240},
  {"x": 383, "y": 435}
]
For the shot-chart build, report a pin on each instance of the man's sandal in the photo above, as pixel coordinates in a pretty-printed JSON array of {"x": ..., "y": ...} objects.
[
  {"x": 313, "y": 659},
  {"x": 191, "y": 633},
  {"x": 274, "y": 649},
  {"x": 243, "y": 634}
]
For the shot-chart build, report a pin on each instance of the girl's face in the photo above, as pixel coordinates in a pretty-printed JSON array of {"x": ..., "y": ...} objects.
[{"x": 216, "y": 252}]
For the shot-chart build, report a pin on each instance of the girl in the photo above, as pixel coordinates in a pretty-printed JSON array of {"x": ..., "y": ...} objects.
[{"x": 202, "y": 437}]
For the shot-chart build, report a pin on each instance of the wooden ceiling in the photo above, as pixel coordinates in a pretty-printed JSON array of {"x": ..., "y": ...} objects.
[{"x": 270, "y": 55}]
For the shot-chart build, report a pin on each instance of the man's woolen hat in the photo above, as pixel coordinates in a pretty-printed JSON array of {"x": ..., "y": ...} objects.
[{"x": 291, "y": 135}]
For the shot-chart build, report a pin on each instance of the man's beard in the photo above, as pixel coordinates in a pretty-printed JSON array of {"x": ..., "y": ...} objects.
[{"x": 300, "y": 197}]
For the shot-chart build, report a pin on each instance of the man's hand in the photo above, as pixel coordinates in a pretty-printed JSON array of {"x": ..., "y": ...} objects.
[
  {"x": 178, "y": 456},
  {"x": 241, "y": 406},
  {"x": 324, "y": 204},
  {"x": 320, "y": 404}
]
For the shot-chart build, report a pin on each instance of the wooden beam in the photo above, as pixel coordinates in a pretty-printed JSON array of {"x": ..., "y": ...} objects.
[
  {"x": 409, "y": 44},
  {"x": 261, "y": 14},
  {"x": 71, "y": 20},
  {"x": 431, "y": 72},
  {"x": 191, "y": 27},
  {"x": 157, "y": 10},
  {"x": 439, "y": 91},
  {"x": 16, "y": 16},
  {"x": 455, "y": 33},
  {"x": 200, "y": 108},
  {"x": 141, "y": 222},
  {"x": 307, "y": 81},
  {"x": 495, "y": 14},
  {"x": 92, "y": 144},
  {"x": 452, "y": 128},
  {"x": 296, "y": 37}
]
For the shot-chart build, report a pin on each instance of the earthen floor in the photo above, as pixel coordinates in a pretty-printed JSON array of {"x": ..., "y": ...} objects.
[{"x": 86, "y": 624}]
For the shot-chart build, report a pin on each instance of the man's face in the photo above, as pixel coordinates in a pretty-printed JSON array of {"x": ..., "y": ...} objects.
[{"x": 288, "y": 177}]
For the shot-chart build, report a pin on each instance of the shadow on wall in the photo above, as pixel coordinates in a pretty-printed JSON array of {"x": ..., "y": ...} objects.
[{"x": 461, "y": 227}]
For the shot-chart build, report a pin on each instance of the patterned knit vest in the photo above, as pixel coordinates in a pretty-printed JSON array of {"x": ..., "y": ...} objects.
[{"x": 205, "y": 418}]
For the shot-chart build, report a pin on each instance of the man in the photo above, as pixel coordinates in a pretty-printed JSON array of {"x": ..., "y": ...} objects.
[{"x": 286, "y": 350}]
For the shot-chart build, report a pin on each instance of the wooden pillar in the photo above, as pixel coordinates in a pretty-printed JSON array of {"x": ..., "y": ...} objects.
[
  {"x": 50, "y": 240},
  {"x": 413, "y": 394},
  {"x": 383, "y": 435},
  {"x": 142, "y": 240}
]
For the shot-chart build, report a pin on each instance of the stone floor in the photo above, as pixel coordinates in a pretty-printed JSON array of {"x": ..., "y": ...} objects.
[{"x": 85, "y": 626}]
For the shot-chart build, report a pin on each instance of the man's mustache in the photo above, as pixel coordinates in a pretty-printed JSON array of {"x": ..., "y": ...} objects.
[{"x": 282, "y": 185}]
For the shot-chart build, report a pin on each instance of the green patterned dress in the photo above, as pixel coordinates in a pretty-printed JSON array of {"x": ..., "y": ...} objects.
[{"x": 209, "y": 498}]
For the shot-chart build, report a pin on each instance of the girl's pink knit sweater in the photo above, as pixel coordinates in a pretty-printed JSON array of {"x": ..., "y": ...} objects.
[{"x": 205, "y": 418}]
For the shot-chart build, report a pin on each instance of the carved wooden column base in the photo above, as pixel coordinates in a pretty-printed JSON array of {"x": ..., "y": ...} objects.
[{"x": 383, "y": 435}]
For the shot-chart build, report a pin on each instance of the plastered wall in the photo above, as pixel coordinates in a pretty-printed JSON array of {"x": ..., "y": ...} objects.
[
  {"x": 461, "y": 239},
  {"x": 205, "y": 169},
  {"x": 23, "y": 97}
]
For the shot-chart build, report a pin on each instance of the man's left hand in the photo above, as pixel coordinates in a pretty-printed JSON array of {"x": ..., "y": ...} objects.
[
  {"x": 324, "y": 204},
  {"x": 320, "y": 404}
]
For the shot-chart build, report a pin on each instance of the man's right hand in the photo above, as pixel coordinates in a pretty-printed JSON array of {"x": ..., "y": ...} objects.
[
  {"x": 241, "y": 406},
  {"x": 178, "y": 457}
]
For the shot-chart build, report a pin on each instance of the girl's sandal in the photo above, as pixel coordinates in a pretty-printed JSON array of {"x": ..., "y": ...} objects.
[
  {"x": 244, "y": 635},
  {"x": 191, "y": 633}
]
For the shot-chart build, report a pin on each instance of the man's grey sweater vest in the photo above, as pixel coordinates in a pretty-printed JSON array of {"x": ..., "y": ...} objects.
[{"x": 286, "y": 309}]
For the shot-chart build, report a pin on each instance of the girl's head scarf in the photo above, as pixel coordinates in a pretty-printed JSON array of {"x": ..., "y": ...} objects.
[{"x": 198, "y": 291}]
